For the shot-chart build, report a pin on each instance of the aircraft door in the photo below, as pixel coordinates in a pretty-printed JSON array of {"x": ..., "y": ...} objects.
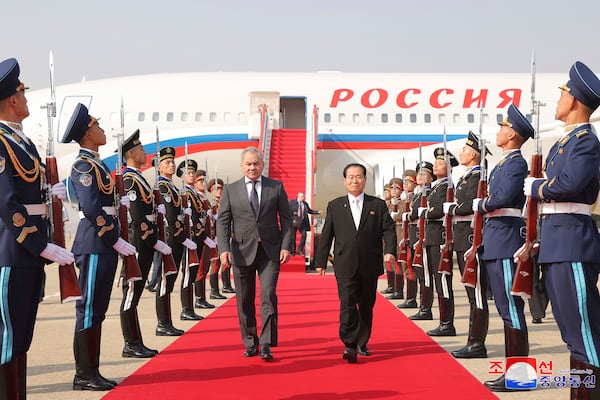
[{"x": 292, "y": 112}]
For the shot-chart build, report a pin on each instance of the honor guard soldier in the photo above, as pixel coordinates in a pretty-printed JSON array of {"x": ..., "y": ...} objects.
[
  {"x": 197, "y": 235},
  {"x": 408, "y": 196},
  {"x": 143, "y": 234},
  {"x": 171, "y": 198},
  {"x": 504, "y": 232},
  {"x": 215, "y": 187},
  {"x": 425, "y": 177},
  {"x": 396, "y": 208},
  {"x": 462, "y": 216},
  {"x": 96, "y": 246},
  {"x": 387, "y": 197},
  {"x": 569, "y": 250},
  {"x": 205, "y": 254},
  {"x": 435, "y": 237},
  {"x": 23, "y": 233}
]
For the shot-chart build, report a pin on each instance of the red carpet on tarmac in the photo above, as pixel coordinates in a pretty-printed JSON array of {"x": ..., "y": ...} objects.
[{"x": 207, "y": 362}]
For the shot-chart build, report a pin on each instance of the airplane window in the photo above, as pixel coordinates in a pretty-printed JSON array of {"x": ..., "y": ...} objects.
[
  {"x": 499, "y": 118},
  {"x": 441, "y": 118},
  {"x": 242, "y": 117},
  {"x": 428, "y": 118},
  {"x": 341, "y": 118},
  {"x": 356, "y": 118},
  {"x": 384, "y": 118},
  {"x": 184, "y": 116},
  {"x": 198, "y": 117},
  {"x": 155, "y": 116},
  {"x": 413, "y": 118},
  {"x": 227, "y": 117},
  {"x": 470, "y": 118},
  {"x": 212, "y": 117},
  {"x": 141, "y": 117},
  {"x": 370, "y": 118},
  {"x": 486, "y": 118},
  {"x": 327, "y": 118},
  {"x": 398, "y": 118},
  {"x": 456, "y": 118},
  {"x": 170, "y": 116}
]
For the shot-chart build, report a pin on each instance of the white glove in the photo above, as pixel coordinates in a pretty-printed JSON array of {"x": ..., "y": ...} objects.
[
  {"x": 394, "y": 201},
  {"x": 209, "y": 212},
  {"x": 187, "y": 211},
  {"x": 59, "y": 190},
  {"x": 124, "y": 248},
  {"x": 393, "y": 214},
  {"x": 528, "y": 184},
  {"x": 216, "y": 216},
  {"x": 210, "y": 243},
  {"x": 161, "y": 209},
  {"x": 404, "y": 196},
  {"x": 405, "y": 217},
  {"x": 420, "y": 211},
  {"x": 162, "y": 247},
  {"x": 476, "y": 205},
  {"x": 447, "y": 205},
  {"x": 189, "y": 244},
  {"x": 125, "y": 202},
  {"x": 57, "y": 254}
]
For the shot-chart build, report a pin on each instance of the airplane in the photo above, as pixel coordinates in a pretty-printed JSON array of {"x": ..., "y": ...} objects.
[{"x": 309, "y": 125}]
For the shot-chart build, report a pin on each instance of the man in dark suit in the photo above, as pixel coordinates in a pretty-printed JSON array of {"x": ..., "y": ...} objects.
[
  {"x": 300, "y": 211},
  {"x": 254, "y": 235},
  {"x": 359, "y": 223}
]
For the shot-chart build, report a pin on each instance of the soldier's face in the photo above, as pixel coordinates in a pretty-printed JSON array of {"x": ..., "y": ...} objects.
[
  {"x": 20, "y": 104},
  {"x": 138, "y": 155},
  {"x": 96, "y": 134},
  {"x": 167, "y": 167},
  {"x": 199, "y": 184},
  {"x": 503, "y": 136},
  {"x": 563, "y": 106},
  {"x": 189, "y": 177},
  {"x": 440, "y": 168}
]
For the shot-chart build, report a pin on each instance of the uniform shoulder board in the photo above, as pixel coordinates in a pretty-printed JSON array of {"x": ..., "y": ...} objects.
[
  {"x": 81, "y": 163},
  {"x": 582, "y": 133}
]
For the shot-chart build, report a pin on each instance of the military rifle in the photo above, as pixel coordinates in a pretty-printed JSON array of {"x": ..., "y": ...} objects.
[
  {"x": 418, "y": 258},
  {"x": 192, "y": 255},
  {"x": 69, "y": 285},
  {"x": 445, "y": 266},
  {"x": 404, "y": 252}
]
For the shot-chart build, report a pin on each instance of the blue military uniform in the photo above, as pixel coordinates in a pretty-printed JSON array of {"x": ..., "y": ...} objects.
[
  {"x": 570, "y": 243},
  {"x": 503, "y": 234},
  {"x": 23, "y": 236},
  {"x": 97, "y": 232}
]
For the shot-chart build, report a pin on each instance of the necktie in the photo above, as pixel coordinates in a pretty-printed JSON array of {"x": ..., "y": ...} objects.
[
  {"x": 254, "y": 198},
  {"x": 356, "y": 212},
  {"x": 300, "y": 209}
]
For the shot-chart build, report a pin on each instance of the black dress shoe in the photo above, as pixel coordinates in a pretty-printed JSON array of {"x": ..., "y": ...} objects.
[
  {"x": 350, "y": 355},
  {"x": 499, "y": 385},
  {"x": 251, "y": 351},
  {"x": 137, "y": 350},
  {"x": 363, "y": 350},
  {"x": 190, "y": 315},
  {"x": 168, "y": 330},
  {"x": 443, "y": 330},
  {"x": 408, "y": 303},
  {"x": 91, "y": 383},
  {"x": 471, "y": 350},
  {"x": 228, "y": 290},
  {"x": 151, "y": 288},
  {"x": 537, "y": 321},
  {"x": 265, "y": 352},
  {"x": 395, "y": 296},
  {"x": 217, "y": 296},
  {"x": 388, "y": 290},
  {"x": 422, "y": 315},
  {"x": 203, "y": 304}
]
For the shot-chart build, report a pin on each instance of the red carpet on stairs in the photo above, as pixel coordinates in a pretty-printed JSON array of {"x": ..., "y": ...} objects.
[{"x": 207, "y": 362}]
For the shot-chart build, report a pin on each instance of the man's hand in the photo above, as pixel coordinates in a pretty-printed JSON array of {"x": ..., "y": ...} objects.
[
  {"x": 225, "y": 258},
  {"x": 284, "y": 256},
  {"x": 389, "y": 258},
  {"x": 320, "y": 271}
]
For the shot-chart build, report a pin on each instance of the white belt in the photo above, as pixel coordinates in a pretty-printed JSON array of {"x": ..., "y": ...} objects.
[
  {"x": 462, "y": 218},
  {"x": 151, "y": 217},
  {"x": 566, "y": 208},
  {"x": 109, "y": 210},
  {"x": 504, "y": 212},
  {"x": 36, "y": 209}
]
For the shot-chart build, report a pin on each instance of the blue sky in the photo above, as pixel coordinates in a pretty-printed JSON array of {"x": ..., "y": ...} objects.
[{"x": 101, "y": 39}]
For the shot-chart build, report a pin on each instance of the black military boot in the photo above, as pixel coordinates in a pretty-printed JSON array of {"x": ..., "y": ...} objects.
[
  {"x": 582, "y": 369},
  {"x": 200, "y": 290},
  {"x": 9, "y": 380},
  {"x": 516, "y": 343},
  {"x": 226, "y": 279},
  {"x": 390, "y": 281},
  {"x": 478, "y": 327},
  {"x": 86, "y": 348},
  {"x": 398, "y": 288},
  {"x": 446, "y": 326},
  {"x": 134, "y": 347},
  {"x": 424, "y": 312},
  {"x": 22, "y": 376},
  {"x": 214, "y": 287},
  {"x": 187, "y": 305},
  {"x": 163, "y": 313},
  {"x": 411, "y": 295}
]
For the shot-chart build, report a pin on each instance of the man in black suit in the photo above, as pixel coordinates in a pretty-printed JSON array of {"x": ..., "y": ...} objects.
[
  {"x": 359, "y": 223},
  {"x": 254, "y": 235},
  {"x": 300, "y": 210}
]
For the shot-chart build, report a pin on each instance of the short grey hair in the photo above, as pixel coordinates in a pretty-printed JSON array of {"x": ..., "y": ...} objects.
[{"x": 252, "y": 149}]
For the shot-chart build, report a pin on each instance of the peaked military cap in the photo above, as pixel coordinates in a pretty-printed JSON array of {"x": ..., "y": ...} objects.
[
  {"x": 131, "y": 142},
  {"x": 78, "y": 125},
  {"x": 427, "y": 167},
  {"x": 584, "y": 85},
  {"x": 411, "y": 175},
  {"x": 211, "y": 183},
  {"x": 473, "y": 142},
  {"x": 9, "y": 78},
  {"x": 396, "y": 182},
  {"x": 517, "y": 121},
  {"x": 439, "y": 155},
  {"x": 191, "y": 165}
]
